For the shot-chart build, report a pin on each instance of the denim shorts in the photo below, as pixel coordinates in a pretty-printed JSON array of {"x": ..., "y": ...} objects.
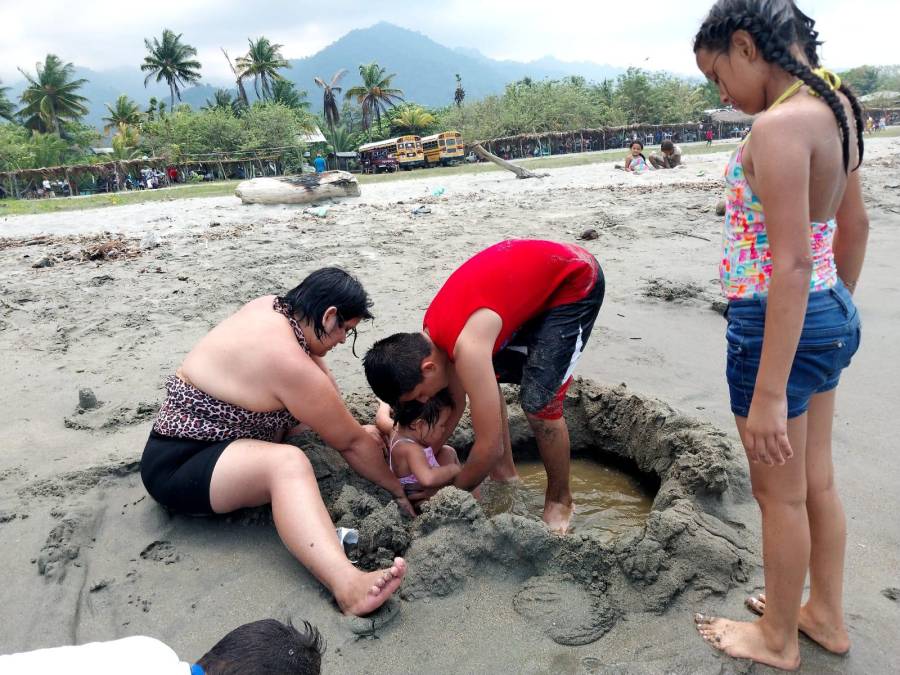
[{"x": 830, "y": 338}]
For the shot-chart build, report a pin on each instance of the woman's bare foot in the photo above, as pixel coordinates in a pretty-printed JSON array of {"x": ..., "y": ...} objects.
[
  {"x": 823, "y": 632},
  {"x": 743, "y": 640},
  {"x": 368, "y": 591},
  {"x": 558, "y": 515}
]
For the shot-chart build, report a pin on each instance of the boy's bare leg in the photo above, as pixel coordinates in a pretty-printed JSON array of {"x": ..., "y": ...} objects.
[
  {"x": 505, "y": 468},
  {"x": 552, "y": 438}
]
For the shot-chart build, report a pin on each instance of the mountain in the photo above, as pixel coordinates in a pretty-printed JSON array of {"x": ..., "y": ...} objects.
[
  {"x": 425, "y": 72},
  {"x": 425, "y": 69}
]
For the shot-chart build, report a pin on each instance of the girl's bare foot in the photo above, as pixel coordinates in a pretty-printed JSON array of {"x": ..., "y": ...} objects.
[
  {"x": 825, "y": 633},
  {"x": 368, "y": 591},
  {"x": 743, "y": 640}
]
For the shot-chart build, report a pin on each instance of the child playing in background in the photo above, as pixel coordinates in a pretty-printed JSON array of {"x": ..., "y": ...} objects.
[
  {"x": 411, "y": 430},
  {"x": 635, "y": 161},
  {"x": 795, "y": 238}
]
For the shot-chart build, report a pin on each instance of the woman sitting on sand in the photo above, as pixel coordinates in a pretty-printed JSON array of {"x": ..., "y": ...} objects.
[{"x": 216, "y": 444}]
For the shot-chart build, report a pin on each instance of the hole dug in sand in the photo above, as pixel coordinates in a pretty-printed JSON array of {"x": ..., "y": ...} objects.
[{"x": 574, "y": 587}]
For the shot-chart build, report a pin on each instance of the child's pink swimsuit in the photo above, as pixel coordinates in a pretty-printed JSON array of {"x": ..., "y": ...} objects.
[{"x": 410, "y": 483}]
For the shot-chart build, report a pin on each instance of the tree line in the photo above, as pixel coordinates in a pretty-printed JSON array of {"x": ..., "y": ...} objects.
[{"x": 47, "y": 129}]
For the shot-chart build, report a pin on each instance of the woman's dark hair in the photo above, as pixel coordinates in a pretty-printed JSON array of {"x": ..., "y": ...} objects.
[
  {"x": 264, "y": 647},
  {"x": 405, "y": 414},
  {"x": 329, "y": 287},
  {"x": 775, "y": 26},
  {"x": 638, "y": 142}
]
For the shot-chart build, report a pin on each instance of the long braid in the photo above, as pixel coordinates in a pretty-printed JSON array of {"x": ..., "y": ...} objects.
[
  {"x": 860, "y": 127},
  {"x": 808, "y": 37},
  {"x": 775, "y": 25},
  {"x": 784, "y": 59}
]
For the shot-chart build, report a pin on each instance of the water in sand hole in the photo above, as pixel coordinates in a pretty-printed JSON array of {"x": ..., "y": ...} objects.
[{"x": 608, "y": 501}]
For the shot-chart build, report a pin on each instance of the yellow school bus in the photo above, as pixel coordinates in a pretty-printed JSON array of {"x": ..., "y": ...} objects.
[
  {"x": 403, "y": 152},
  {"x": 443, "y": 148}
]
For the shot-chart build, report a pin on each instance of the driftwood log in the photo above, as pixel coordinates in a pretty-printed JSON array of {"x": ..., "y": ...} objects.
[
  {"x": 520, "y": 171},
  {"x": 307, "y": 188}
]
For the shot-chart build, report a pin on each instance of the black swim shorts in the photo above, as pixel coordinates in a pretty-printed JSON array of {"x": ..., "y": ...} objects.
[
  {"x": 177, "y": 471},
  {"x": 541, "y": 355}
]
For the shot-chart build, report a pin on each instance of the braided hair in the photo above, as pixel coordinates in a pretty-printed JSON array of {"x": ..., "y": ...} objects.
[{"x": 775, "y": 26}]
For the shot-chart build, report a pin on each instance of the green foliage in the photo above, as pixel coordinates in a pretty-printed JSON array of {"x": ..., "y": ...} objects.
[
  {"x": 375, "y": 95},
  {"x": 262, "y": 62},
  {"x": 330, "y": 92},
  {"x": 287, "y": 94},
  {"x": 51, "y": 96},
  {"x": 15, "y": 148},
  {"x": 530, "y": 106},
  {"x": 6, "y": 107},
  {"x": 863, "y": 80},
  {"x": 459, "y": 94},
  {"x": 124, "y": 113},
  {"x": 219, "y": 130},
  {"x": 171, "y": 60},
  {"x": 411, "y": 119},
  {"x": 222, "y": 99}
]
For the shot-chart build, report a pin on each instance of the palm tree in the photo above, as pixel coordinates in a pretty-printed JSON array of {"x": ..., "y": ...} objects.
[
  {"x": 170, "y": 60},
  {"x": 125, "y": 143},
  {"x": 51, "y": 96},
  {"x": 239, "y": 80},
  {"x": 155, "y": 108},
  {"x": 413, "y": 119},
  {"x": 221, "y": 100},
  {"x": 375, "y": 95},
  {"x": 124, "y": 113},
  {"x": 460, "y": 94},
  {"x": 262, "y": 62},
  {"x": 330, "y": 90},
  {"x": 284, "y": 92},
  {"x": 6, "y": 107}
]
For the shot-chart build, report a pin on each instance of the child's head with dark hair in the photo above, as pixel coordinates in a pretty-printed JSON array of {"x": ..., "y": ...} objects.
[
  {"x": 638, "y": 145},
  {"x": 667, "y": 146},
  {"x": 426, "y": 421},
  {"x": 741, "y": 40},
  {"x": 393, "y": 365},
  {"x": 264, "y": 647},
  {"x": 407, "y": 414},
  {"x": 326, "y": 288}
]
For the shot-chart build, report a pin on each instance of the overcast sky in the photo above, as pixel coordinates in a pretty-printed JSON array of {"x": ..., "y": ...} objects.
[{"x": 654, "y": 34}]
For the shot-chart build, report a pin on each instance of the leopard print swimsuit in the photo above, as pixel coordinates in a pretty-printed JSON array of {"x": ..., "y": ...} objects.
[{"x": 190, "y": 413}]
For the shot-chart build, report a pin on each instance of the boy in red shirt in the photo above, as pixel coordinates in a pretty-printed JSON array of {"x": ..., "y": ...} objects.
[{"x": 520, "y": 311}]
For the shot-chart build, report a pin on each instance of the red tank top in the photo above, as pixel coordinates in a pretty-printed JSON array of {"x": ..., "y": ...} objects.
[{"x": 518, "y": 279}]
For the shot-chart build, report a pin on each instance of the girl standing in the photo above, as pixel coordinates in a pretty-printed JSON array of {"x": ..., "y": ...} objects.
[{"x": 795, "y": 237}]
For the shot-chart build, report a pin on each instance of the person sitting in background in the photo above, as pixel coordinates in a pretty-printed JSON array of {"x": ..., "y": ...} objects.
[
  {"x": 266, "y": 646},
  {"x": 635, "y": 161},
  {"x": 412, "y": 430},
  {"x": 668, "y": 158}
]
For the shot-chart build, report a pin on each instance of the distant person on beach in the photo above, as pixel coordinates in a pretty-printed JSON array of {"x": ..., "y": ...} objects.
[
  {"x": 870, "y": 124},
  {"x": 709, "y": 137},
  {"x": 635, "y": 161},
  {"x": 669, "y": 156},
  {"x": 795, "y": 239},
  {"x": 522, "y": 312},
  {"x": 257, "y": 648},
  {"x": 319, "y": 163},
  {"x": 412, "y": 430},
  {"x": 216, "y": 445}
]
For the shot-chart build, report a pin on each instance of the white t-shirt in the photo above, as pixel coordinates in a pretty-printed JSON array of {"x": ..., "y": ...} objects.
[{"x": 138, "y": 655}]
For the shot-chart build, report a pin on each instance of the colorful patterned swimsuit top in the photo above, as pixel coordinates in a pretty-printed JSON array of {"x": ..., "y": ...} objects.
[
  {"x": 191, "y": 413},
  {"x": 746, "y": 265}
]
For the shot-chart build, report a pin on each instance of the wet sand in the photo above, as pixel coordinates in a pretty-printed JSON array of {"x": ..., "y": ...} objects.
[{"x": 92, "y": 557}]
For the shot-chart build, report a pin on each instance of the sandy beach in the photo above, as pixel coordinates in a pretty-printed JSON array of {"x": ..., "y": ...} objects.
[{"x": 87, "y": 555}]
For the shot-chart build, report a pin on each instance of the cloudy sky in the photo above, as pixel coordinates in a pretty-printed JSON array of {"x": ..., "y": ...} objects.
[{"x": 655, "y": 34}]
